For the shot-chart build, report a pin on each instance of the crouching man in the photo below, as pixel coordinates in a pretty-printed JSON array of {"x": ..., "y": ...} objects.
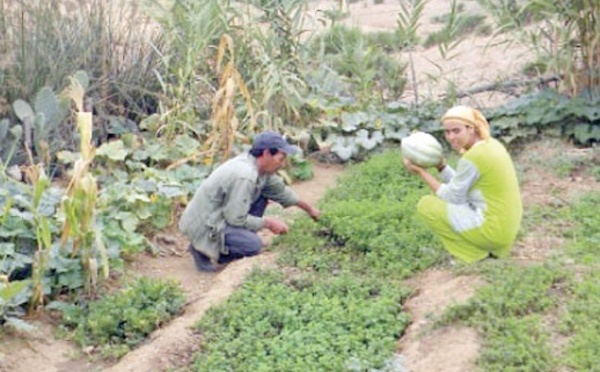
[{"x": 223, "y": 217}]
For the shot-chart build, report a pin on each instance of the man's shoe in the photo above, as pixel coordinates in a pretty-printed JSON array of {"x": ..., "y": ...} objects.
[{"x": 202, "y": 262}]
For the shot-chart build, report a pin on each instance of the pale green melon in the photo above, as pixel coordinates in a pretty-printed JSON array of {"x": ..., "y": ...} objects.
[{"x": 422, "y": 149}]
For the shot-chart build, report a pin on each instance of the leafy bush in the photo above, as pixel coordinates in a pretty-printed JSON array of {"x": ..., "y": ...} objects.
[{"x": 119, "y": 322}]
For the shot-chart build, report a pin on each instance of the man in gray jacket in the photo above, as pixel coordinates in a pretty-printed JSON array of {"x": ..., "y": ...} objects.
[{"x": 227, "y": 210}]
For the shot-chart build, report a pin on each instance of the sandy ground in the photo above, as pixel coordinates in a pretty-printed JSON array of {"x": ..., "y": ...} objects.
[{"x": 473, "y": 62}]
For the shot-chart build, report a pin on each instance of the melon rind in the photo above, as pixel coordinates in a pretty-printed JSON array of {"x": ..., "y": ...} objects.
[{"x": 422, "y": 149}]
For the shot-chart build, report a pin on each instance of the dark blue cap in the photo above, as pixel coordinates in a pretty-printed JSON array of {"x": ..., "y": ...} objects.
[{"x": 272, "y": 140}]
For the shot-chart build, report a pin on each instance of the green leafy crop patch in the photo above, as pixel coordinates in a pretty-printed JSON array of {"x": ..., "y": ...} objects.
[
  {"x": 584, "y": 237},
  {"x": 517, "y": 344},
  {"x": 513, "y": 291},
  {"x": 368, "y": 225},
  {"x": 387, "y": 233},
  {"x": 382, "y": 176},
  {"x": 303, "y": 324},
  {"x": 119, "y": 322},
  {"x": 509, "y": 312},
  {"x": 582, "y": 324},
  {"x": 342, "y": 307}
]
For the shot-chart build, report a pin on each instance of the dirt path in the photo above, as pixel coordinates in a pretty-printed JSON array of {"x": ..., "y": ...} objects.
[{"x": 447, "y": 349}]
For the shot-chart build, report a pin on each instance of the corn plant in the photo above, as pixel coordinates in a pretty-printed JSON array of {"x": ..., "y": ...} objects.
[
  {"x": 79, "y": 206},
  {"x": 276, "y": 76},
  {"x": 36, "y": 175},
  {"x": 225, "y": 124},
  {"x": 189, "y": 30}
]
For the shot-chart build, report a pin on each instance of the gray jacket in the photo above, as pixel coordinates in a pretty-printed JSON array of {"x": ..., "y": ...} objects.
[{"x": 225, "y": 198}]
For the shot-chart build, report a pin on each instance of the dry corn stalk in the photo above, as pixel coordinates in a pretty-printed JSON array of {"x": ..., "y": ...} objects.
[
  {"x": 80, "y": 204},
  {"x": 225, "y": 123}
]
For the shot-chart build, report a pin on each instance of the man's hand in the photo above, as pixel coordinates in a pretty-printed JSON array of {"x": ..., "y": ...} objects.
[
  {"x": 275, "y": 226},
  {"x": 313, "y": 212}
]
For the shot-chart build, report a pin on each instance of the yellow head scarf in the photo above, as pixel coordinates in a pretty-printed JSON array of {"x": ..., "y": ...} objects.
[{"x": 471, "y": 117}]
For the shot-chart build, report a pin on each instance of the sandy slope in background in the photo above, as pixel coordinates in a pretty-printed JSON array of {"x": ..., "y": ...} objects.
[{"x": 475, "y": 61}]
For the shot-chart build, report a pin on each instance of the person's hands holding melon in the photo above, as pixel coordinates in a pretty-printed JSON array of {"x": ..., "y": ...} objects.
[
  {"x": 421, "y": 151},
  {"x": 413, "y": 168}
]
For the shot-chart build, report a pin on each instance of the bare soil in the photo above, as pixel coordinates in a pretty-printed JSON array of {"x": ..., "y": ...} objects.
[{"x": 421, "y": 348}]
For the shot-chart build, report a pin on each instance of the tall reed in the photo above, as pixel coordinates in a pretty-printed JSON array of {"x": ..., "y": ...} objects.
[
  {"x": 565, "y": 34},
  {"x": 44, "y": 42}
]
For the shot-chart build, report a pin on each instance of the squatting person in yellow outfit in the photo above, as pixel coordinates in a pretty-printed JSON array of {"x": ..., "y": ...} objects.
[{"x": 476, "y": 210}]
